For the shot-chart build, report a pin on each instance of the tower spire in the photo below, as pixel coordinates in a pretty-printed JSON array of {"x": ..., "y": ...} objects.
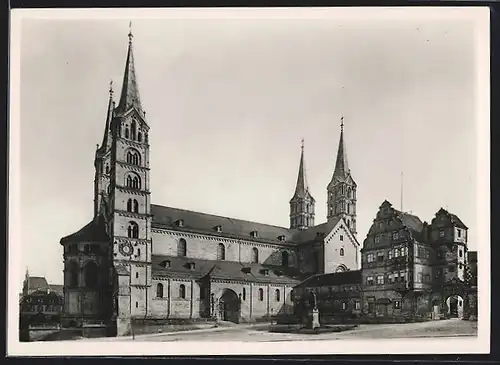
[
  {"x": 301, "y": 188},
  {"x": 129, "y": 97},
  {"x": 341, "y": 165},
  {"x": 302, "y": 202}
]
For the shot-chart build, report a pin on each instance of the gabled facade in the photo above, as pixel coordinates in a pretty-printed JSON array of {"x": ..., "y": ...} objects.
[{"x": 412, "y": 268}]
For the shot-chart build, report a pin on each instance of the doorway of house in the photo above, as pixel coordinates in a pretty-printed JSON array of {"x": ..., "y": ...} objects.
[
  {"x": 455, "y": 304},
  {"x": 229, "y": 306}
]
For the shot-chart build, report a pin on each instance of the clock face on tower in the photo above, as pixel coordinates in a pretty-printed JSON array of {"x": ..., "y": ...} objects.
[{"x": 126, "y": 249}]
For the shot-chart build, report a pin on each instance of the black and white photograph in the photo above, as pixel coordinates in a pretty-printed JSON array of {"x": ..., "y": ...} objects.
[{"x": 249, "y": 181}]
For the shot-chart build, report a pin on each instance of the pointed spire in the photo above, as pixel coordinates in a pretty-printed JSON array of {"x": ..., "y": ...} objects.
[
  {"x": 341, "y": 166},
  {"x": 129, "y": 97},
  {"x": 301, "y": 189},
  {"x": 109, "y": 117}
]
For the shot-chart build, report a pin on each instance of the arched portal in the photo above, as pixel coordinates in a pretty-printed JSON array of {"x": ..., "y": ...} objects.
[
  {"x": 455, "y": 305},
  {"x": 229, "y": 306}
]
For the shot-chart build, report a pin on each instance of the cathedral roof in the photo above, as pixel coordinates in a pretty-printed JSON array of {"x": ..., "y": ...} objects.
[
  {"x": 316, "y": 232},
  {"x": 129, "y": 97},
  {"x": 338, "y": 278},
  {"x": 95, "y": 231},
  {"x": 302, "y": 188},
  {"x": 175, "y": 266},
  {"x": 168, "y": 217}
]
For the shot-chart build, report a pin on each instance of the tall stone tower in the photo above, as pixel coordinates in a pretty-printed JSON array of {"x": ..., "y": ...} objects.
[
  {"x": 302, "y": 202},
  {"x": 342, "y": 189},
  {"x": 129, "y": 201}
]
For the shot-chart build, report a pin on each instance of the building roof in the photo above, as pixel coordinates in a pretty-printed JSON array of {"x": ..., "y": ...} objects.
[
  {"x": 95, "y": 231},
  {"x": 167, "y": 217},
  {"x": 454, "y": 220},
  {"x": 317, "y": 232},
  {"x": 58, "y": 289},
  {"x": 413, "y": 223},
  {"x": 224, "y": 270},
  {"x": 457, "y": 221},
  {"x": 37, "y": 283},
  {"x": 339, "y": 278}
]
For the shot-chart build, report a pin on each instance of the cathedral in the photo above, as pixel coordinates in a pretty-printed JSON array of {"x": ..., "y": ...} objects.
[{"x": 138, "y": 260}]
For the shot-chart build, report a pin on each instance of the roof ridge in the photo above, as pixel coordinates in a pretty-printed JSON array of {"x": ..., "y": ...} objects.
[{"x": 221, "y": 216}]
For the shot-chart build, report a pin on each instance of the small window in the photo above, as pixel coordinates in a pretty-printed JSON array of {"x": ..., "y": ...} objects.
[
  {"x": 255, "y": 255},
  {"x": 395, "y": 235},
  {"x": 460, "y": 253},
  {"x": 284, "y": 259},
  {"x": 159, "y": 290},
  {"x": 380, "y": 280},
  {"x": 369, "y": 280},
  {"x": 277, "y": 295},
  {"x": 397, "y": 304},
  {"x": 137, "y": 304},
  {"x": 139, "y": 252},
  {"x": 261, "y": 294},
  {"x": 344, "y": 306},
  {"x": 182, "y": 291},
  {"x": 341, "y": 252},
  {"x": 377, "y": 239},
  {"x": 182, "y": 248},
  {"x": 244, "y": 294},
  {"x": 380, "y": 257},
  {"x": 137, "y": 275},
  {"x": 133, "y": 230},
  {"x": 357, "y": 305},
  {"x": 341, "y": 237},
  {"x": 459, "y": 233},
  {"x": 221, "y": 252}
]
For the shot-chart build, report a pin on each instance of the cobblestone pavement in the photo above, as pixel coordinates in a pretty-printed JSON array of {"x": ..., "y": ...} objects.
[{"x": 444, "y": 328}]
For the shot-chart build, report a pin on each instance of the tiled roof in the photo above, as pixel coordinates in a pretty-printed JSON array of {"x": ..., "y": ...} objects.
[
  {"x": 315, "y": 233},
  {"x": 95, "y": 231},
  {"x": 224, "y": 270},
  {"x": 412, "y": 222},
  {"x": 453, "y": 218},
  {"x": 457, "y": 221},
  {"x": 339, "y": 278},
  {"x": 38, "y": 282},
  {"x": 205, "y": 223},
  {"x": 58, "y": 289}
]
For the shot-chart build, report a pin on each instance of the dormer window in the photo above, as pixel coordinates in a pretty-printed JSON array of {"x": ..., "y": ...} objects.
[
  {"x": 246, "y": 270},
  {"x": 281, "y": 238},
  {"x": 191, "y": 265},
  {"x": 179, "y": 222},
  {"x": 264, "y": 272},
  {"x": 218, "y": 228},
  {"x": 254, "y": 234},
  {"x": 165, "y": 264}
]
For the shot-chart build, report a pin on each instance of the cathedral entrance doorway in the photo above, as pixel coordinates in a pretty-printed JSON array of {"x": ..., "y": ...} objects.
[{"x": 229, "y": 306}]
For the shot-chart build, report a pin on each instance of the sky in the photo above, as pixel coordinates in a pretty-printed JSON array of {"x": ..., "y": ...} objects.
[{"x": 228, "y": 101}]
